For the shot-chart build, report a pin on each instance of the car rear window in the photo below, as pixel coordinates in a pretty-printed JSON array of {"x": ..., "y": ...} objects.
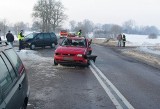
[{"x": 74, "y": 42}]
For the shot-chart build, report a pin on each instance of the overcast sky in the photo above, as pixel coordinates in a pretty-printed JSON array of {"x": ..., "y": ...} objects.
[{"x": 143, "y": 12}]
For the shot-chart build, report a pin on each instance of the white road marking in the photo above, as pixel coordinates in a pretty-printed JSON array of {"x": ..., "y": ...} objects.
[{"x": 103, "y": 80}]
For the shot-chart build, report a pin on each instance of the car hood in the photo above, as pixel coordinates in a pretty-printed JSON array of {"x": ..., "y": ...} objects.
[
  {"x": 69, "y": 50},
  {"x": 27, "y": 40}
]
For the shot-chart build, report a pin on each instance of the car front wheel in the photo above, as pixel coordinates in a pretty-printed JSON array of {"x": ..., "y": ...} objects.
[
  {"x": 53, "y": 45},
  {"x": 32, "y": 46},
  {"x": 55, "y": 63}
]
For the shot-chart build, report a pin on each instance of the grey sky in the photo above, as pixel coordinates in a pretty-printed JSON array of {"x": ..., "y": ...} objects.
[{"x": 143, "y": 12}]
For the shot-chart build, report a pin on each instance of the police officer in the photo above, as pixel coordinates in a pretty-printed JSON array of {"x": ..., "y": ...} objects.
[
  {"x": 20, "y": 38},
  {"x": 124, "y": 40},
  {"x": 79, "y": 33}
]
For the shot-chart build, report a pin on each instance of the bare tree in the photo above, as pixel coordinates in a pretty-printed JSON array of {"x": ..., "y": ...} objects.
[
  {"x": 72, "y": 25},
  {"x": 88, "y": 26},
  {"x": 115, "y": 30},
  {"x": 19, "y": 26},
  {"x": 50, "y": 14},
  {"x": 128, "y": 26},
  {"x": 36, "y": 26},
  {"x": 3, "y": 27}
]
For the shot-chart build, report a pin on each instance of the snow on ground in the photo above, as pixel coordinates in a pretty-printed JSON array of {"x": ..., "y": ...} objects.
[
  {"x": 141, "y": 40},
  {"x": 144, "y": 44},
  {"x": 33, "y": 55}
]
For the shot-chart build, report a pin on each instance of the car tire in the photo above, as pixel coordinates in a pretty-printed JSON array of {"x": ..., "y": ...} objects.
[
  {"x": 53, "y": 45},
  {"x": 55, "y": 63},
  {"x": 90, "y": 52},
  {"x": 32, "y": 46},
  {"x": 25, "y": 103}
]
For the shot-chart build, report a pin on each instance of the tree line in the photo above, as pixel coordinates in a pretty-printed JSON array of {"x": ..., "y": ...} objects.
[{"x": 49, "y": 16}]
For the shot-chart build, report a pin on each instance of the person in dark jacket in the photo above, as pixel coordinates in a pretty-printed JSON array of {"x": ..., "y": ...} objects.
[
  {"x": 10, "y": 38},
  {"x": 124, "y": 40}
]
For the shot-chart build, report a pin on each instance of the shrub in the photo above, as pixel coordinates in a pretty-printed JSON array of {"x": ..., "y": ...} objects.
[{"x": 152, "y": 36}]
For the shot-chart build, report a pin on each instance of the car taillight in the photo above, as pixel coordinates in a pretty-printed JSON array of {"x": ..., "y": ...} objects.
[{"x": 21, "y": 69}]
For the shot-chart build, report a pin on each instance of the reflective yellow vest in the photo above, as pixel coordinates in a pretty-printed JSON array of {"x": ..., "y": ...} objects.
[
  {"x": 79, "y": 33},
  {"x": 19, "y": 37}
]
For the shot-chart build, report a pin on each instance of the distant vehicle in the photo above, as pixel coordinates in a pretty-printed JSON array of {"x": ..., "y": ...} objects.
[
  {"x": 74, "y": 51},
  {"x": 40, "y": 40},
  {"x": 63, "y": 33},
  {"x": 14, "y": 88}
]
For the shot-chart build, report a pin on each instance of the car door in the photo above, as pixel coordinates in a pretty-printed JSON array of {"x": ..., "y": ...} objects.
[
  {"x": 47, "y": 39},
  {"x": 39, "y": 40},
  {"x": 16, "y": 96},
  {"x": 7, "y": 84},
  {"x": 2, "y": 103}
]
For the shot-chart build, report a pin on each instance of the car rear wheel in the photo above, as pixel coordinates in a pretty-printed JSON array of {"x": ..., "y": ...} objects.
[
  {"x": 53, "y": 45},
  {"x": 32, "y": 46},
  {"x": 25, "y": 103},
  {"x": 55, "y": 63}
]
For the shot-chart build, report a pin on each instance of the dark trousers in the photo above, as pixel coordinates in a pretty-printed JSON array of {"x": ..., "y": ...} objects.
[
  {"x": 20, "y": 44},
  {"x": 124, "y": 44}
]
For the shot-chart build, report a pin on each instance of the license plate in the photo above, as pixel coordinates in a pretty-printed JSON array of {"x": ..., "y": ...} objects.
[{"x": 68, "y": 58}]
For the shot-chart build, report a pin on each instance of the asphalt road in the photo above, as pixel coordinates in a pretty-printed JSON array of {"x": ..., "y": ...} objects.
[{"x": 62, "y": 87}]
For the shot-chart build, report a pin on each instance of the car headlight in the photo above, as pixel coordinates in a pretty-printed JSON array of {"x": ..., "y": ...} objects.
[
  {"x": 79, "y": 55},
  {"x": 57, "y": 53}
]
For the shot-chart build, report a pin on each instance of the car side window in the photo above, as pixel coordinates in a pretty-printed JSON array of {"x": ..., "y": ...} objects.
[
  {"x": 15, "y": 60},
  {"x": 39, "y": 36},
  {"x": 5, "y": 78},
  {"x": 47, "y": 36},
  {"x": 10, "y": 68},
  {"x": 53, "y": 35}
]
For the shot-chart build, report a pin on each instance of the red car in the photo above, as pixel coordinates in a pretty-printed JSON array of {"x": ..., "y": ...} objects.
[{"x": 73, "y": 50}]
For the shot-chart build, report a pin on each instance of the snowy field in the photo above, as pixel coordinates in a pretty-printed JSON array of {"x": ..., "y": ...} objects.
[
  {"x": 142, "y": 40},
  {"x": 144, "y": 44}
]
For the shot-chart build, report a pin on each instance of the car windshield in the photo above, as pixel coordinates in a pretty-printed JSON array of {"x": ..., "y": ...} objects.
[
  {"x": 30, "y": 36},
  {"x": 74, "y": 42}
]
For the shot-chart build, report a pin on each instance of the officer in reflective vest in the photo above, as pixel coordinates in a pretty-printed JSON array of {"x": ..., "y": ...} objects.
[
  {"x": 79, "y": 33},
  {"x": 20, "y": 38}
]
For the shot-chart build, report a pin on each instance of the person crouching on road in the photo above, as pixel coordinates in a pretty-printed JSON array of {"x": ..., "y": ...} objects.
[
  {"x": 10, "y": 38},
  {"x": 20, "y": 38}
]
